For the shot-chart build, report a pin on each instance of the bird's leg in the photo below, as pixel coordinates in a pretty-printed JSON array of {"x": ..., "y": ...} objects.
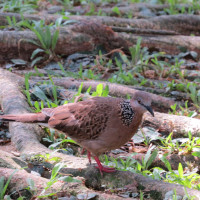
[
  {"x": 88, "y": 155},
  {"x": 102, "y": 168}
]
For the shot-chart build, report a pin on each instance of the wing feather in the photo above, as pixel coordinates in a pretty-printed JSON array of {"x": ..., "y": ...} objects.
[{"x": 82, "y": 120}]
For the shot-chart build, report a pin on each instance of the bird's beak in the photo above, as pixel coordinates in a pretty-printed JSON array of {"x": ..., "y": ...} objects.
[{"x": 150, "y": 110}]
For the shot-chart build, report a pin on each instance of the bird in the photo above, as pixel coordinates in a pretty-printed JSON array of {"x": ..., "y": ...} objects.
[{"x": 98, "y": 124}]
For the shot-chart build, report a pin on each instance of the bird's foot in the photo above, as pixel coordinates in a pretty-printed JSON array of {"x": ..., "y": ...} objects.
[
  {"x": 106, "y": 169},
  {"x": 109, "y": 168},
  {"x": 103, "y": 168}
]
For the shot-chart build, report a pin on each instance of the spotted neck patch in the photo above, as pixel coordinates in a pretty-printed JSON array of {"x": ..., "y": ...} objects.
[{"x": 127, "y": 112}]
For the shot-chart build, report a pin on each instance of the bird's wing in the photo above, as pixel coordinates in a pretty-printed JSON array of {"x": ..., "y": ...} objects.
[{"x": 82, "y": 120}]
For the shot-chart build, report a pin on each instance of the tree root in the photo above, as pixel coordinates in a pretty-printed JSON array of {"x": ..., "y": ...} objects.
[{"x": 179, "y": 125}]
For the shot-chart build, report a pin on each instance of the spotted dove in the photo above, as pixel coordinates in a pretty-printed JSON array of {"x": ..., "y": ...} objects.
[{"x": 98, "y": 124}]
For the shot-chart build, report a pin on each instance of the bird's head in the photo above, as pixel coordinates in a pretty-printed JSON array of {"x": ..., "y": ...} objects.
[{"x": 142, "y": 100}]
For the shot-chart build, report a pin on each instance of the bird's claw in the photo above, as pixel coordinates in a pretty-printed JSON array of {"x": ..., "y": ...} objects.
[{"x": 106, "y": 169}]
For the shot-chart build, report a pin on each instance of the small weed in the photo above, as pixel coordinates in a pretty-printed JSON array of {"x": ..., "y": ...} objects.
[
  {"x": 127, "y": 163},
  {"x": 191, "y": 143},
  {"x": 141, "y": 195},
  {"x": 133, "y": 165},
  {"x": 187, "y": 179},
  {"x": 4, "y": 186},
  {"x": 31, "y": 185},
  {"x": 182, "y": 87},
  {"x": 159, "y": 66},
  {"x": 92, "y": 10},
  {"x": 12, "y": 23},
  {"x": 173, "y": 107},
  {"x": 47, "y": 157},
  {"x": 65, "y": 3},
  {"x": 100, "y": 91},
  {"x": 173, "y": 69},
  {"x": 184, "y": 111},
  {"x": 137, "y": 52},
  {"x": 26, "y": 91},
  {"x": 47, "y": 36},
  {"x": 190, "y": 88},
  {"x": 176, "y": 69},
  {"x": 38, "y": 93},
  {"x": 116, "y": 11},
  {"x": 37, "y": 73},
  {"x": 129, "y": 68},
  {"x": 51, "y": 137},
  {"x": 194, "y": 94},
  {"x": 19, "y": 6},
  {"x": 149, "y": 158},
  {"x": 189, "y": 197},
  {"x": 38, "y": 107},
  {"x": 54, "y": 91},
  {"x": 54, "y": 178},
  {"x": 168, "y": 144},
  {"x": 70, "y": 74},
  {"x": 185, "y": 147},
  {"x": 82, "y": 73}
]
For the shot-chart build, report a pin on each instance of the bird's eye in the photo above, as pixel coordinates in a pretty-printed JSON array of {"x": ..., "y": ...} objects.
[{"x": 139, "y": 100}]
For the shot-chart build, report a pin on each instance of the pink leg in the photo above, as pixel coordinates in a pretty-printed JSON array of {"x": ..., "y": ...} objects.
[
  {"x": 88, "y": 155},
  {"x": 102, "y": 168}
]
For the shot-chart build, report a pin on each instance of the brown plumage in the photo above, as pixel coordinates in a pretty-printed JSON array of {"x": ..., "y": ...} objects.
[{"x": 98, "y": 124}]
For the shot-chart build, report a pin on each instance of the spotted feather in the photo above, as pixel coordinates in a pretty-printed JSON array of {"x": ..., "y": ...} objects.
[{"x": 127, "y": 113}]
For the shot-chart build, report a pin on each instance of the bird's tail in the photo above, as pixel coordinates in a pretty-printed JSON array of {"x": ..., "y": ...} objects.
[{"x": 27, "y": 117}]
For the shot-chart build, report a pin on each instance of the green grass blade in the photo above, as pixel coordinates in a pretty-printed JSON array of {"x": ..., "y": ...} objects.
[
  {"x": 56, "y": 169},
  {"x": 105, "y": 91},
  {"x": 62, "y": 68},
  {"x": 152, "y": 158},
  {"x": 7, "y": 183},
  {"x": 35, "y": 52},
  {"x": 1, "y": 187},
  {"x": 47, "y": 37},
  {"x": 9, "y": 20},
  {"x": 55, "y": 39},
  {"x": 55, "y": 96},
  {"x": 147, "y": 156},
  {"x": 167, "y": 163},
  {"x": 39, "y": 35},
  {"x": 80, "y": 89},
  {"x": 33, "y": 42},
  {"x": 36, "y": 60},
  {"x": 88, "y": 90},
  {"x": 99, "y": 89},
  {"x": 26, "y": 81},
  {"x": 180, "y": 170}
]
